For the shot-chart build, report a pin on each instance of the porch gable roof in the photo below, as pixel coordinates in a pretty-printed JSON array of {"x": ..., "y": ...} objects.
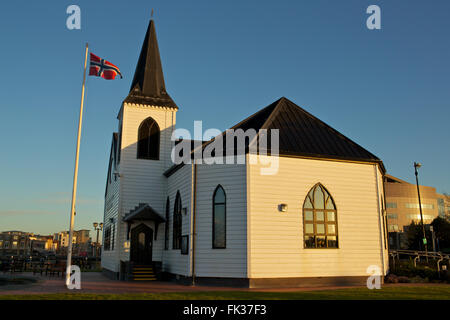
[{"x": 143, "y": 212}]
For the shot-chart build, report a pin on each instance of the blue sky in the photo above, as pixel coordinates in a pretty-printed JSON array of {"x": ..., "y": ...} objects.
[{"x": 386, "y": 89}]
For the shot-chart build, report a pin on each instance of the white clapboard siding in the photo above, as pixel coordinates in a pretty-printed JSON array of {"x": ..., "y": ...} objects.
[
  {"x": 111, "y": 208},
  {"x": 173, "y": 261},
  {"x": 383, "y": 227},
  {"x": 232, "y": 261},
  {"x": 276, "y": 238},
  {"x": 142, "y": 181}
]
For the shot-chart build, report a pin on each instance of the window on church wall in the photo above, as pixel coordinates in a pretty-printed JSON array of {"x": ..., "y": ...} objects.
[
  {"x": 107, "y": 239},
  {"x": 113, "y": 233},
  {"x": 219, "y": 218},
  {"x": 177, "y": 222},
  {"x": 120, "y": 144},
  {"x": 148, "y": 140},
  {"x": 166, "y": 227},
  {"x": 319, "y": 219}
]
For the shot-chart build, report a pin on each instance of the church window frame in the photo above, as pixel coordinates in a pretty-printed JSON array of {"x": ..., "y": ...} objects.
[
  {"x": 320, "y": 219},
  {"x": 148, "y": 143}
]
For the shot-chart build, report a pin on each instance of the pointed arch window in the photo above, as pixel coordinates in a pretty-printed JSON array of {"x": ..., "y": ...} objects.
[
  {"x": 320, "y": 219},
  {"x": 177, "y": 222},
  {"x": 166, "y": 227},
  {"x": 148, "y": 140},
  {"x": 219, "y": 218}
]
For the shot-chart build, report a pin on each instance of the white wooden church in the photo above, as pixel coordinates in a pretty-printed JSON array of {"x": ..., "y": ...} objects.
[{"x": 319, "y": 220}]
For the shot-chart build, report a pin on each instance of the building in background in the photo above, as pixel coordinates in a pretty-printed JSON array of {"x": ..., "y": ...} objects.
[
  {"x": 18, "y": 243},
  {"x": 82, "y": 244},
  {"x": 402, "y": 208},
  {"x": 14, "y": 243},
  {"x": 443, "y": 201}
]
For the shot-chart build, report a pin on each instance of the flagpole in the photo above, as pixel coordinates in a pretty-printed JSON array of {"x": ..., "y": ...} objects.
[{"x": 75, "y": 176}]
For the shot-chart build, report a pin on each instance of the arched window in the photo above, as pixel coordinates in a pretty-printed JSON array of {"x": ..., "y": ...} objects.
[
  {"x": 320, "y": 219},
  {"x": 177, "y": 222},
  {"x": 219, "y": 218},
  {"x": 166, "y": 227},
  {"x": 148, "y": 140}
]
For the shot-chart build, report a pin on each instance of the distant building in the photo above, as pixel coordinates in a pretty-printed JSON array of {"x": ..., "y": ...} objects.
[
  {"x": 443, "y": 201},
  {"x": 83, "y": 245},
  {"x": 62, "y": 240},
  {"x": 402, "y": 207},
  {"x": 14, "y": 243},
  {"x": 81, "y": 242},
  {"x": 18, "y": 243},
  {"x": 42, "y": 244}
]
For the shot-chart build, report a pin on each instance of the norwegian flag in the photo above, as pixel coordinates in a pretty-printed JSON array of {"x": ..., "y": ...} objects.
[{"x": 102, "y": 68}]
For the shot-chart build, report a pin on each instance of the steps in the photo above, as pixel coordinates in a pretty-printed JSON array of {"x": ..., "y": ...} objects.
[{"x": 143, "y": 273}]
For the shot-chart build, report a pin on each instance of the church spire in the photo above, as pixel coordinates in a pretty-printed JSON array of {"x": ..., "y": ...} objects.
[{"x": 148, "y": 85}]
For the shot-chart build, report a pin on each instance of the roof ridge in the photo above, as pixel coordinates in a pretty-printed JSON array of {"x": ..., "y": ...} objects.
[
  {"x": 328, "y": 127},
  {"x": 273, "y": 113},
  {"x": 205, "y": 143},
  {"x": 269, "y": 119},
  {"x": 255, "y": 114}
]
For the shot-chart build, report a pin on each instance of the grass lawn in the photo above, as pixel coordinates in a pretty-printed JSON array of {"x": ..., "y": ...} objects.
[{"x": 389, "y": 293}]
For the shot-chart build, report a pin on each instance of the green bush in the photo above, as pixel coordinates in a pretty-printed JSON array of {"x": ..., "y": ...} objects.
[{"x": 409, "y": 270}]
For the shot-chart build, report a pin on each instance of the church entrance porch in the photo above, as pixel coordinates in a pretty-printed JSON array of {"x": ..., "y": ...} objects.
[
  {"x": 141, "y": 245},
  {"x": 143, "y": 263}
]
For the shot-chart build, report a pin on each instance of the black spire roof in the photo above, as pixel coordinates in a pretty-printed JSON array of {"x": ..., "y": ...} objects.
[{"x": 148, "y": 83}]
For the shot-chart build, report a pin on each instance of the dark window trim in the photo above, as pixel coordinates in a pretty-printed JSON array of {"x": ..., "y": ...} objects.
[
  {"x": 107, "y": 239},
  {"x": 166, "y": 227},
  {"x": 143, "y": 157},
  {"x": 177, "y": 223},
  {"x": 113, "y": 232},
  {"x": 325, "y": 219},
  {"x": 184, "y": 245},
  {"x": 214, "y": 203},
  {"x": 119, "y": 147}
]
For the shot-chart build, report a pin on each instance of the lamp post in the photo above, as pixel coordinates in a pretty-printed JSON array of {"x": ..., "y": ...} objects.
[
  {"x": 97, "y": 227},
  {"x": 417, "y": 166}
]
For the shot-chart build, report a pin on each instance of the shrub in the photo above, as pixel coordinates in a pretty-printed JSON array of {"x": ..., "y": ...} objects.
[
  {"x": 403, "y": 279},
  {"x": 391, "y": 278},
  {"x": 409, "y": 270}
]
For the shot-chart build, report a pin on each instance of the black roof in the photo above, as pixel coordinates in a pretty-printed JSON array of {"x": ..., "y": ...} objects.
[
  {"x": 112, "y": 154},
  {"x": 301, "y": 134},
  {"x": 148, "y": 85}
]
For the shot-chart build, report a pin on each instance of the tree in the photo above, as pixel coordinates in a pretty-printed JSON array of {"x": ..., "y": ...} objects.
[
  {"x": 414, "y": 235},
  {"x": 441, "y": 229}
]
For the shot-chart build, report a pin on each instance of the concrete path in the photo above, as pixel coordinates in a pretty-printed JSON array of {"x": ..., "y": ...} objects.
[{"x": 95, "y": 282}]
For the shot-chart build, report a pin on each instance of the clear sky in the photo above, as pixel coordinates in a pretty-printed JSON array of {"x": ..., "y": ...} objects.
[{"x": 386, "y": 89}]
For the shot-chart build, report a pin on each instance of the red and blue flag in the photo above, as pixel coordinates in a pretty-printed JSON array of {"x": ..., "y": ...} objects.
[{"x": 101, "y": 68}]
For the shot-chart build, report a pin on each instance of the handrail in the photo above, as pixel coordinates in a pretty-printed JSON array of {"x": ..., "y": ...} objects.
[
  {"x": 417, "y": 254},
  {"x": 439, "y": 261},
  {"x": 421, "y": 253}
]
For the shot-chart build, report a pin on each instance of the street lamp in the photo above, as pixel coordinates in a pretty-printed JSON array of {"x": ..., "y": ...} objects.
[
  {"x": 97, "y": 227},
  {"x": 417, "y": 166}
]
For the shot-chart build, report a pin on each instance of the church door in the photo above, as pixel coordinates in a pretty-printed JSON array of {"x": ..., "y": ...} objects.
[{"x": 141, "y": 245}]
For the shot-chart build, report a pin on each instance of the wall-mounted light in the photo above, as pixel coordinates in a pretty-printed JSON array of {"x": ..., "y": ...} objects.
[{"x": 282, "y": 207}]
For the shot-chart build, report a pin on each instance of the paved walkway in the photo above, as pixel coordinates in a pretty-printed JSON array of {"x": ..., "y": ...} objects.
[{"x": 95, "y": 282}]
